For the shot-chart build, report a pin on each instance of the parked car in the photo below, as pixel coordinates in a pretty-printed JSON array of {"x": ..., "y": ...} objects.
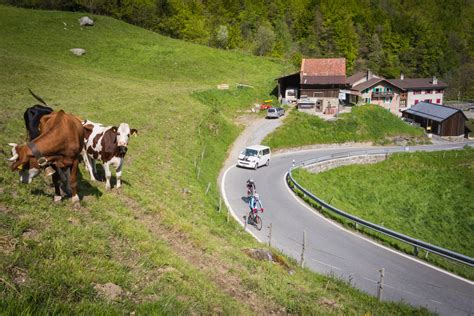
[
  {"x": 275, "y": 112},
  {"x": 254, "y": 157}
]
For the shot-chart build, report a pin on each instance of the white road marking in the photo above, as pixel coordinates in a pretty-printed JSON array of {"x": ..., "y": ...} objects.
[
  {"x": 331, "y": 266},
  {"x": 371, "y": 241}
]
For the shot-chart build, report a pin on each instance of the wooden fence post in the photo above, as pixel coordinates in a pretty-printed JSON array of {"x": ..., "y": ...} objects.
[
  {"x": 380, "y": 283},
  {"x": 220, "y": 203},
  {"x": 303, "y": 248}
]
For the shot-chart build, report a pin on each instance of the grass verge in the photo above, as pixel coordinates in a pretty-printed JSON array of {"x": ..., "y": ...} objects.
[
  {"x": 363, "y": 124},
  {"x": 425, "y": 195}
]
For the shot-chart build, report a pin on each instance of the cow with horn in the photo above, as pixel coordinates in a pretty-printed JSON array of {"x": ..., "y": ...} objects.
[{"x": 58, "y": 146}]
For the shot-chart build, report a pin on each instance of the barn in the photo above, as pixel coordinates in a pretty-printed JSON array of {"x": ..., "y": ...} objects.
[{"x": 438, "y": 119}]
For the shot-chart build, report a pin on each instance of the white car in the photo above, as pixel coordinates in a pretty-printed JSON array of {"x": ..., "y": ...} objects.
[{"x": 254, "y": 157}]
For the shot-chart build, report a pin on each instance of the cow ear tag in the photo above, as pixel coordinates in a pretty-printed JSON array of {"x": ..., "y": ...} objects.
[
  {"x": 20, "y": 167},
  {"x": 134, "y": 132}
]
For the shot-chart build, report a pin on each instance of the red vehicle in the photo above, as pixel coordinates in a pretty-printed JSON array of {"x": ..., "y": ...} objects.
[{"x": 266, "y": 105}]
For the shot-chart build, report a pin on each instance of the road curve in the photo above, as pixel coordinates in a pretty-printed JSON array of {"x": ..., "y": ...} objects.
[{"x": 331, "y": 249}]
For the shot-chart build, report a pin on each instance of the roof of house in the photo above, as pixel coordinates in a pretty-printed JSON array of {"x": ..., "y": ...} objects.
[
  {"x": 356, "y": 77},
  {"x": 435, "y": 112},
  {"x": 323, "y": 67},
  {"x": 287, "y": 76},
  {"x": 324, "y": 80},
  {"x": 367, "y": 84},
  {"x": 417, "y": 83}
]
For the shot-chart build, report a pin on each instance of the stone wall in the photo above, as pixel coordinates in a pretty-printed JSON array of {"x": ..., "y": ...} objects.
[{"x": 337, "y": 162}]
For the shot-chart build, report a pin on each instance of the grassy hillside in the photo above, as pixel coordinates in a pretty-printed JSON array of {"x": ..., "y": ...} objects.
[
  {"x": 426, "y": 195},
  {"x": 364, "y": 124},
  {"x": 160, "y": 238}
]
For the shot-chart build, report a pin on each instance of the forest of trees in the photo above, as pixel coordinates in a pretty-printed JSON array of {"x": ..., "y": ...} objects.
[{"x": 420, "y": 38}]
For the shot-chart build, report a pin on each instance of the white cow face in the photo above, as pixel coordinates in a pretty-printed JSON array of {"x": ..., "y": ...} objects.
[
  {"x": 123, "y": 135},
  {"x": 27, "y": 166}
]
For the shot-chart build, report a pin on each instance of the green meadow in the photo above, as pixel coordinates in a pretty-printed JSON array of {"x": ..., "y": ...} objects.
[
  {"x": 425, "y": 195},
  {"x": 368, "y": 123},
  {"x": 160, "y": 238}
]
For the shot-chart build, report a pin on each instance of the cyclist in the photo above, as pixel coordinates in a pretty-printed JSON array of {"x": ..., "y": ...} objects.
[
  {"x": 255, "y": 203},
  {"x": 251, "y": 188}
]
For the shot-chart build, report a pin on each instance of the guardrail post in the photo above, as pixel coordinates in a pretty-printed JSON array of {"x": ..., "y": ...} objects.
[
  {"x": 380, "y": 284},
  {"x": 303, "y": 248},
  {"x": 245, "y": 222},
  {"x": 228, "y": 215},
  {"x": 220, "y": 203},
  {"x": 270, "y": 235},
  {"x": 415, "y": 251}
]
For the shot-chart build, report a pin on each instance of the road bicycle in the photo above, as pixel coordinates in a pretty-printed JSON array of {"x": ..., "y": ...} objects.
[{"x": 254, "y": 219}]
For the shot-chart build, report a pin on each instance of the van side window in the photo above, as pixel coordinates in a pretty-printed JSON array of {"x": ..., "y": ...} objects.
[{"x": 266, "y": 151}]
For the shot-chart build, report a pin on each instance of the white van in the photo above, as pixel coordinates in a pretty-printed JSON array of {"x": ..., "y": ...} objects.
[{"x": 254, "y": 157}]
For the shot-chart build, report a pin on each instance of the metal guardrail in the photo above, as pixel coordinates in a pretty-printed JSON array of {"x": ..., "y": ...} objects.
[{"x": 404, "y": 238}]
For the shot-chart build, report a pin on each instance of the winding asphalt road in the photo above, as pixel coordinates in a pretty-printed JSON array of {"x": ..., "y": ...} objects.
[{"x": 331, "y": 249}]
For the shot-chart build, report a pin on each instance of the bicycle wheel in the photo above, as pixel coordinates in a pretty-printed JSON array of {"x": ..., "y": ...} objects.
[
  {"x": 250, "y": 219},
  {"x": 258, "y": 222}
]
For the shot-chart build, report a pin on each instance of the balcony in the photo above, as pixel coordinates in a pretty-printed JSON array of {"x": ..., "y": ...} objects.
[{"x": 382, "y": 94}]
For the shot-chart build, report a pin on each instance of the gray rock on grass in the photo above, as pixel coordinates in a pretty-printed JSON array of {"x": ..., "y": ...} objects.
[
  {"x": 78, "y": 51},
  {"x": 86, "y": 21}
]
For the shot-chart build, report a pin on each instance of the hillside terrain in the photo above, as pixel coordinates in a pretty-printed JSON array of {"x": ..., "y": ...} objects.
[
  {"x": 159, "y": 245},
  {"x": 419, "y": 38},
  {"x": 368, "y": 123}
]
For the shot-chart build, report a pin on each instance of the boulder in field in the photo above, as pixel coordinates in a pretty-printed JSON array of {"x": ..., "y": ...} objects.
[
  {"x": 86, "y": 21},
  {"x": 78, "y": 51}
]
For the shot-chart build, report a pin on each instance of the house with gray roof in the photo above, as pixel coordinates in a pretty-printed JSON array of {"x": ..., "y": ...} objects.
[
  {"x": 396, "y": 95},
  {"x": 438, "y": 119}
]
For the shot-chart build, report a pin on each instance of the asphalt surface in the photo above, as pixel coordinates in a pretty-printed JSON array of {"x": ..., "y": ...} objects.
[{"x": 331, "y": 249}]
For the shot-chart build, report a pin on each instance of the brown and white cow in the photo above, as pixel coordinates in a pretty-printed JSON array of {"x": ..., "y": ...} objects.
[
  {"x": 109, "y": 145},
  {"x": 59, "y": 145}
]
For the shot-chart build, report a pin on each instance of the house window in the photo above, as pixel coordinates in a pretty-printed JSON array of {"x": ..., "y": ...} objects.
[
  {"x": 438, "y": 101},
  {"x": 428, "y": 100},
  {"x": 429, "y": 91},
  {"x": 417, "y": 92},
  {"x": 416, "y": 101},
  {"x": 388, "y": 100},
  {"x": 402, "y": 103},
  {"x": 439, "y": 91}
]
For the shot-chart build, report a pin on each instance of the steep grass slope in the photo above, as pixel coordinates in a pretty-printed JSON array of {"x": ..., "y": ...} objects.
[
  {"x": 364, "y": 124},
  {"x": 160, "y": 238}
]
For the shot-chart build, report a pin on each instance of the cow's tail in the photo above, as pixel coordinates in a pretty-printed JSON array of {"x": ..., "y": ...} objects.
[{"x": 37, "y": 97}]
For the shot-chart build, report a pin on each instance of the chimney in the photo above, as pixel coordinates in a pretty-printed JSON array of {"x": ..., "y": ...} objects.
[
  {"x": 435, "y": 80},
  {"x": 402, "y": 76},
  {"x": 369, "y": 75}
]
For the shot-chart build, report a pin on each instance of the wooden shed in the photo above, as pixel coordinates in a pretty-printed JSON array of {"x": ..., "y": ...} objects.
[{"x": 438, "y": 119}]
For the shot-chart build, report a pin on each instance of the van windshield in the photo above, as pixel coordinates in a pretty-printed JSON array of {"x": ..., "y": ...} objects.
[{"x": 250, "y": 152}]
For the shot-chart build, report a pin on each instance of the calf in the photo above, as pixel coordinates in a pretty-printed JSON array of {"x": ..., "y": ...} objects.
[
  {"x": 107, "y": 144},
  {"x": 59, "y": 145}
]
